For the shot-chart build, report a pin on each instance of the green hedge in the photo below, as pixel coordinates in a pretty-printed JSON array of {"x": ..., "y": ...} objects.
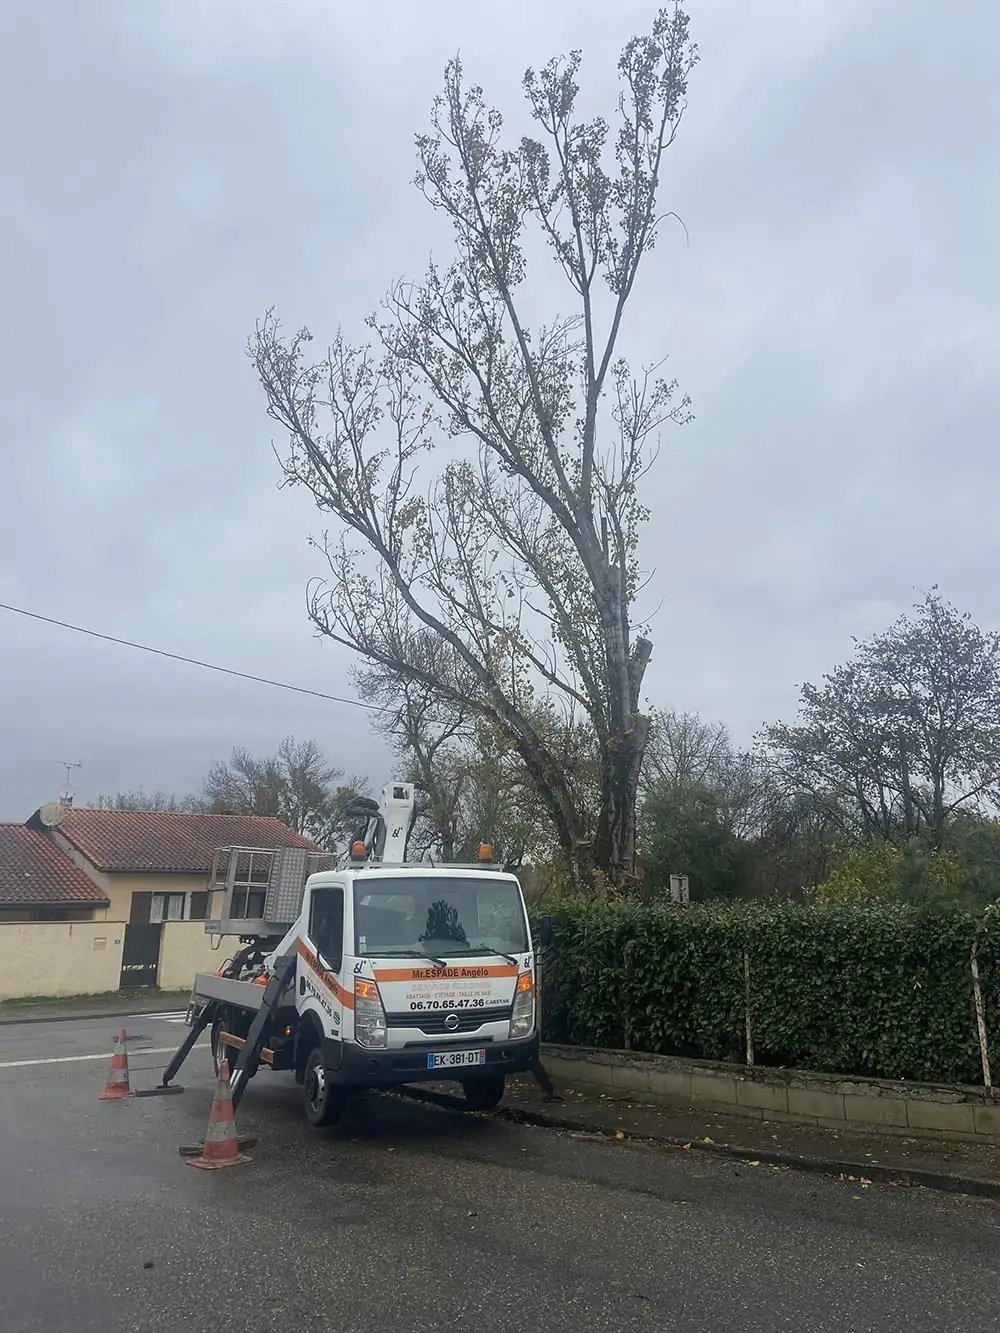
[{"x": 883, "y": 990}]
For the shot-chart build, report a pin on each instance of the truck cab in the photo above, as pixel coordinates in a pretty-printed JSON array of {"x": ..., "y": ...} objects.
[{"x": 414, "y": 973}]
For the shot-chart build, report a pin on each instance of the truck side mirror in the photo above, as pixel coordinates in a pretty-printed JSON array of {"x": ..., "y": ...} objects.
[{"x": 546, "y": 932}]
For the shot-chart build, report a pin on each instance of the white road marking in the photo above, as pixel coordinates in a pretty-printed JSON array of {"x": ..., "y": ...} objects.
[
  {"x": 179, "y": 1017},
  {"x": 104, "y": 1055}
]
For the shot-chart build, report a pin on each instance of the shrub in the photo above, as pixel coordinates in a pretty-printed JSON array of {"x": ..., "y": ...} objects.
[
  {"x": 875, "y": 988},
  {"x": 913, "y": 873},
  {"x": 686, "y": 831}
]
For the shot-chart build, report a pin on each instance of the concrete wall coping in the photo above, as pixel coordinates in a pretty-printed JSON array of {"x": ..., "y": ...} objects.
[{"x": 836, "y": 1084}]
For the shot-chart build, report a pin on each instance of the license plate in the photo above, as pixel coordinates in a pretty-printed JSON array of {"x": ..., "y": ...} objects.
[{"x": 455, "y": 1059}]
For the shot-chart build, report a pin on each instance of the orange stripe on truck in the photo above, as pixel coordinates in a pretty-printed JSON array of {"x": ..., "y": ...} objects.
[
  {"x": 461, "y": 973},
  {"x": 339, "y": 992}
]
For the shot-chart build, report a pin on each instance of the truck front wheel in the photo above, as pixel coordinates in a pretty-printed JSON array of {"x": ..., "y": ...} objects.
[
  {"x": 322, "y": 1101},
  {"x": 483, "y": 1094}
]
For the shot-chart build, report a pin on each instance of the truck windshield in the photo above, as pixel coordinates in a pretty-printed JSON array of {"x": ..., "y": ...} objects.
[{"x": 438, "y": 917}]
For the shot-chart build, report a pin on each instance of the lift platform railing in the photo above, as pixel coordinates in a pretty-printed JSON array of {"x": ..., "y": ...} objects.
[{"x": 258, "y": 890}]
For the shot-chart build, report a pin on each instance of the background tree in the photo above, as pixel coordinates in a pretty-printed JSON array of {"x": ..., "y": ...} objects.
[
  {"x": 522, "y": 558},
  {"x": 797, "y": 841},
  {"x": 297, "y": 785},
  {"x": 432, "y": 739},
  {"x": 684, "y": 830},
  {"x": 684, "y": 750},
  {"x": 139, "y": 799},
  {"x": 975, "y": 841},
  {"x": 684, "y": 826},
  {"x": 471, "y": 785},
  {"x": 686, "y": 754},
  {"x": 905, "y": 736},
  {"x": 727, "y": 818}
]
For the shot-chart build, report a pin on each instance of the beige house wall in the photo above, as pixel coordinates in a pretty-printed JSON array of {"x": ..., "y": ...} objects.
[
  {"x": 99, "y": 878},
  {"x": 185, "y": 949},
  {"x": 59, "y": 958},
  {"x": 120, "y": 888}
]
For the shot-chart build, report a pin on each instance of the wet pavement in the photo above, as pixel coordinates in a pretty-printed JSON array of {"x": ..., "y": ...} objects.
[
  {"x": 408, "y": 1217},
  {"x": 969, "y": 1167}
]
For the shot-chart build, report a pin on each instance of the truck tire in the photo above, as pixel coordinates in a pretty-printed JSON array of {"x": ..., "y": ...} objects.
[
  {"x": 322, "y": 1101},
  {"x": 483, "y": 1094}
]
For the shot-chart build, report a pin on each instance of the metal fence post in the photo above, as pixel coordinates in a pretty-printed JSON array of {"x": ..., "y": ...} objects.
[{"x": 977, "y": 995}]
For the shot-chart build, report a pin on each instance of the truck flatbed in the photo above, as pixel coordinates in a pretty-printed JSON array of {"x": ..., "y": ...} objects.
[{"x": 243, "y": 994}]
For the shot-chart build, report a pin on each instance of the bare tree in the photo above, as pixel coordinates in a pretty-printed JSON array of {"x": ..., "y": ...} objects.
[
  {"x": 431, "y": 738},
  {"x": 140, "y": 799},
  {"x": 687, "y": 755},
  {"x": 521, "y": 560},
  {"x": 685, "y": 750},
  {"x": 297, "y": 785},
  {"x": 471, "y": 785},
  {"x": 905, "y": 736}
]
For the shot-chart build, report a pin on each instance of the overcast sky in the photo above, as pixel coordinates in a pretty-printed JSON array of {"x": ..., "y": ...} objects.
[{"x": 170, "y": 169}]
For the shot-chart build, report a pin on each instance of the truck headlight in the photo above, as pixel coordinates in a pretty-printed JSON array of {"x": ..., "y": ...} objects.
[
  {"x": 522, "y": 1019},
  {"x": 369, "y": 1016}
]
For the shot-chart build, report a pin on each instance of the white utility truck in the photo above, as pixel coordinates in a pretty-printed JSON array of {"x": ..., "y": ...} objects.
[{"x": 372, "y": 974}]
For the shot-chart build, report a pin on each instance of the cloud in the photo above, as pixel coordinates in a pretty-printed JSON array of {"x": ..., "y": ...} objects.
[{"x": 177, "y": 170}]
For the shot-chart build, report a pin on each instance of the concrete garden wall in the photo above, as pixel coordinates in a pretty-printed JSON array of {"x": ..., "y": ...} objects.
[
  {"x": 782, "y": 1095},
  {"x": 60, "y": 957}
]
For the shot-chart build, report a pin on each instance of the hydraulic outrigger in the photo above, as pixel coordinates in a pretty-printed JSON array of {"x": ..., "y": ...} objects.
[{"x": 252, "y": 1046}]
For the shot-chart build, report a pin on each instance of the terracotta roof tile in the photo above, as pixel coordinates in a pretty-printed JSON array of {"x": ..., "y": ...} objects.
[
  {"x": 35, "y": 872},
  {"x": 168, "y": 841}
]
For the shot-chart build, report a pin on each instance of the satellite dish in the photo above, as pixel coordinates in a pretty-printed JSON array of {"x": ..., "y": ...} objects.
[{"x": 52, "y": 814}]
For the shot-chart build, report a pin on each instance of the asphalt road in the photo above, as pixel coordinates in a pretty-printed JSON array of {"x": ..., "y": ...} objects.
[{"x": 407, "y": 1218}]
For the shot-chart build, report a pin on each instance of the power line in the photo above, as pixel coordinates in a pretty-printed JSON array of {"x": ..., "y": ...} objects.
[{"x": 191, "y": 661}]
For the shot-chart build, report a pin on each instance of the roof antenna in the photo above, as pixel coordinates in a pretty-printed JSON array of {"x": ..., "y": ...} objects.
[{"x": 67, "y": 793}]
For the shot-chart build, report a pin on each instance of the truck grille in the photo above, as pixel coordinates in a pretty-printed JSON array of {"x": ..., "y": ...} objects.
[{"x": 469, "y": 1020}]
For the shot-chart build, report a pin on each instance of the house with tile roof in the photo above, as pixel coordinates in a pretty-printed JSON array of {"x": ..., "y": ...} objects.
[
  {"x": 154, "y": 865},
  {"x": 39, "y": 882},
  {"x": 138, "y": 883}
]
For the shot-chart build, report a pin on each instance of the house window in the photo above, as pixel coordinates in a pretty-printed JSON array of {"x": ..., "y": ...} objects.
[
  {"x": 167, "y": 907},
  {"x": 199, "y": 907},
  {"x": 60, "y": 914}
]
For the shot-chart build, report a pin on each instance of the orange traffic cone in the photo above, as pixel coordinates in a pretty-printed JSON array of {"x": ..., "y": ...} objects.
[
  {"x": 117, "y": 1085},
  {"x": 221, "y": 1146}
]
